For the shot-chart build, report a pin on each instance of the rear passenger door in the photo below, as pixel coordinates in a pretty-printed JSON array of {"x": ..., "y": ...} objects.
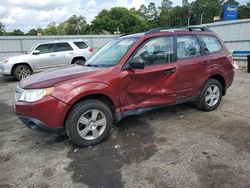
[
  {"x": 191, "y": 66},
  {"x": 64, "y": 54}
]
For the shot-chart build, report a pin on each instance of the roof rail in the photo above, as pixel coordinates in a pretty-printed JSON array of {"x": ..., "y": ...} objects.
[
  {"x": 124, "y": 34},
  {"x": 159, "y": 29},
  {"x": 198, "y": 28}
]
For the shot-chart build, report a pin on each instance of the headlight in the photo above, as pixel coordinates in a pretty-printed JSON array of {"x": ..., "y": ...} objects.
[
  {"x": 6, "y": 61},
  {"x": 32, "y": 95}
]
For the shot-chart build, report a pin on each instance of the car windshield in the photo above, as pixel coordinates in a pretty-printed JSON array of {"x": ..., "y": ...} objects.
[
  {"x": 111, "y": 53},
  {"x": 31, "y": 49}
]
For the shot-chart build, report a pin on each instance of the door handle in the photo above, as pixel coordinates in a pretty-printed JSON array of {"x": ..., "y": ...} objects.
[
  {"x": 169, "y": 71},
  {"x": 204, "y": 62},
  {"x": 52, "y": 55}
]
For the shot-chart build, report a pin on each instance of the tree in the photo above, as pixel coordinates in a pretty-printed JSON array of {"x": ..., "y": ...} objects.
[
  {"x": 2, "y": 29},
  {"x": 185, "y": 3},
  {"x": 118, "y": 18},
  {"x": 207, "y": 9},
  {"x": 152, "y": 15},
  {"x": 166, "y": 13},
  {"x": 74, "y": 25},
  {"x": 51, "y": 29},
  {"x": 16, "y": 32},
  {"x": 244, "y": 12},
  {"x": 32, "y": 32}
]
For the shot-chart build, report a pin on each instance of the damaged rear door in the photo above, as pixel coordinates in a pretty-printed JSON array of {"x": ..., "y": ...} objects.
[{"x": 156, "y": 83}]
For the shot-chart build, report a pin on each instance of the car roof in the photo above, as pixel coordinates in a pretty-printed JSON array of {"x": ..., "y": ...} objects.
[{"x": 62, "y": 41}]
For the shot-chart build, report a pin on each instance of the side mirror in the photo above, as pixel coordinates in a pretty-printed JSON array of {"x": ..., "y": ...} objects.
[
  {"x": 36, "y": 52},
  {"x": 137, "y": 63}
]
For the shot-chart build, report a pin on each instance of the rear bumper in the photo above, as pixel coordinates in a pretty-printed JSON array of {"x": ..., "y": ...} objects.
[{"x": 38, "y": 125}]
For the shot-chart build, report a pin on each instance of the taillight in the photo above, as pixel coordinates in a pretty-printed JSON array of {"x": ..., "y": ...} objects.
[{"x": 91, "y": 50}]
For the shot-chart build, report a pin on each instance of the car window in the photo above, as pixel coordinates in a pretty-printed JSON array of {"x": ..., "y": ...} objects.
[
  {"x": 61, "y": 47},
  {"x": 187, "y": 46},
  {"x": 45, "y": 48},
  {"x": 157, "y": 51},
  {"x": 210, "y": 43},
  {"x": 81, "y": 45}
]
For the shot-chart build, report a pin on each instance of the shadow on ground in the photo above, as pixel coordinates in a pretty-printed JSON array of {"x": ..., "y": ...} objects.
[{"x": 100, "y": 166}]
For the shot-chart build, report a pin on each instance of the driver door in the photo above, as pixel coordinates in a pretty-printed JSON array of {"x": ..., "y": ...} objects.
[
  {"x": 46, "y": 58},
  {"x": 156, "y": 83}
]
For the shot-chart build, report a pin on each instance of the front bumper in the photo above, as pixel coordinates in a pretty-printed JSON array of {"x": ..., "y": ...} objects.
[
  {"x": 48, "y": 112},
  {"x": 38, "y": 125},
  {"x": 5, "y": 68}
]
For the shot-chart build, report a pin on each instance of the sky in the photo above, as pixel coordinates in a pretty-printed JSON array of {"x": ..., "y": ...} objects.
[{"x": 28, "y": 14}]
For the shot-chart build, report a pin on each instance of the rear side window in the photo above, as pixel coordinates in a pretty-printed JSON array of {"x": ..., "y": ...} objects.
[
  {"x": 157, "y": 51},
  {"x": 187, "y": 46},
  {"x": 210, "y": 44},
  {"x": 81, "y": 45},
  {"x": 60, "y": 47},
  {"x": 45, "y": 48}
]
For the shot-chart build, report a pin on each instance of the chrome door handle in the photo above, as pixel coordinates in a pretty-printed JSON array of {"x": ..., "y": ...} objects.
[{"x": 169, "y": 71}]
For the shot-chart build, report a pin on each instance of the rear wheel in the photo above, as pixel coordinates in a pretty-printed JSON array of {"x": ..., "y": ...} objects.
[
  {"x": 210, "y": 96},
  {"x": 89, "y": 122},
  {"x": 22, "y": 71}
]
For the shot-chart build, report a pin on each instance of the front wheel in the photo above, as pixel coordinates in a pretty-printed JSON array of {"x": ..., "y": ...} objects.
[
  {"x": 22, "y": 71},
  {"x": 210, "y": 96},
  {"x": 89, "y": 122}
]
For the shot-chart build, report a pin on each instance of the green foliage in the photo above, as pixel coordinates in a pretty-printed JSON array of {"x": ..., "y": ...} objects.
[
  {"x": 32, "y": 32},
  {"x": 73, "y": 26},
  {"x": 244, "y": 12},
  {"x": 118, "y": 19},
  {"x": 208, "y": 8},
  {"x": 16, "y": 32},
  {"x": 51, "y": 29},
  {"x": 2, "y": 29}
]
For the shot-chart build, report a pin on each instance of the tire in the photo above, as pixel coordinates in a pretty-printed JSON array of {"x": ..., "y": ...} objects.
[
  {"x": 83, "y": 119},
  {"x": 79, "y": 62},
  {"x": 210, "y": 95},
  {"x": 22, "y": 71}
]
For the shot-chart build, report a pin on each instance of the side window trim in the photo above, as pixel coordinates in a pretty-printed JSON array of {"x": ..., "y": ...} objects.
[
  {"x": 203, "y": 51},
  {"x": 125, "y": 66},
  {"x": 193, "y": 35},
  {"x": 55, "y": 47},
  {"x": 206, "y": 35}
]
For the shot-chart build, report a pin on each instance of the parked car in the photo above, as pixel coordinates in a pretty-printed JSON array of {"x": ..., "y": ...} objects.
[
  {"x": 129, "y": 75},
  {"x": 45, "y": 56}
]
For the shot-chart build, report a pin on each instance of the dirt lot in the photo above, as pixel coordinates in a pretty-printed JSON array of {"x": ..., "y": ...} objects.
[{"x": 173, "y": 147}]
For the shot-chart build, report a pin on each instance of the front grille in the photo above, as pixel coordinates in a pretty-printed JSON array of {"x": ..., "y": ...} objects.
[{"x": 18, "y": 93}]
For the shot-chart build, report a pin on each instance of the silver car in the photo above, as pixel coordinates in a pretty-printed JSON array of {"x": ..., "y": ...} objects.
[{"x": 46, "y": 55}]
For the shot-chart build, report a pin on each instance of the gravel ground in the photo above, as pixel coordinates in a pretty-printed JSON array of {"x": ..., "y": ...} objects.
[{"x": 175, "y": 147}]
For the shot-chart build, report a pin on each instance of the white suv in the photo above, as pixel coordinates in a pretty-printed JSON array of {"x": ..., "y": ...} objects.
[{"x": 46, "y": 55}]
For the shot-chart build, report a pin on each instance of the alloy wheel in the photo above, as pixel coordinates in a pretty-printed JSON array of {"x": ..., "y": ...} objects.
[{"x": 91, "y": 124}]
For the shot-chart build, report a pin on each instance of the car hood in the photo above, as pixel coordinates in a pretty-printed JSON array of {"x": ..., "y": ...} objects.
[
  {"x": 18, "y": 58},
  {"x": 54, "y": 76}
]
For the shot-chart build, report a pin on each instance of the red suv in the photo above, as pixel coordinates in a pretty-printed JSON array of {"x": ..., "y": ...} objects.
[{"x": 129, "y": 75}]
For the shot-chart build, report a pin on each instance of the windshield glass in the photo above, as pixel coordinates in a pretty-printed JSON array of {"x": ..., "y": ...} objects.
[
  {"x": 111, "y": 53},
  {"x": 31, "y": 49}
]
